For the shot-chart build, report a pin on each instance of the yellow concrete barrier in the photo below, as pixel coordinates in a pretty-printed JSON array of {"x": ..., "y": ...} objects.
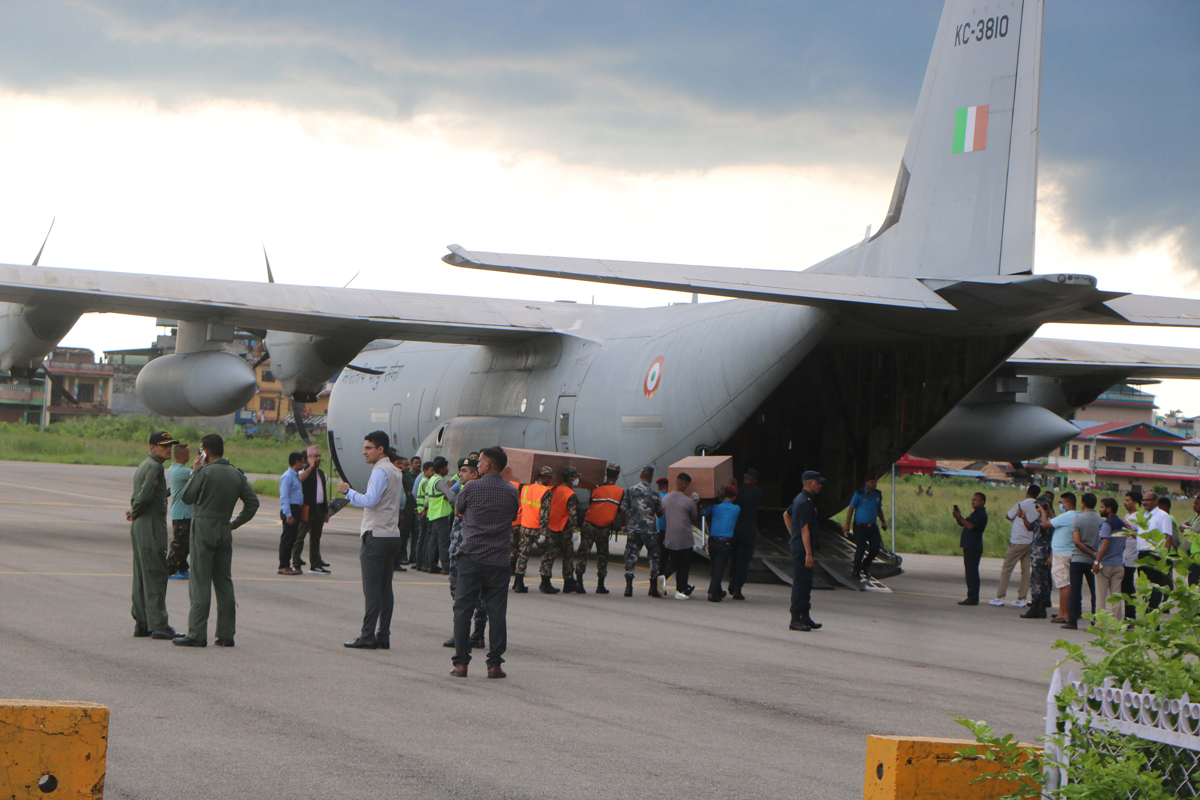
[
  {"x": 922, "y": 768},
  {"x": 52, "y": 749}
]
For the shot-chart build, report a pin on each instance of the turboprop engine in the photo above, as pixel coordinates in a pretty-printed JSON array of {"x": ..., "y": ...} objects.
[
  {"x": 996, "y": 432},
  {"x": 302, "y": 363},
  {"x": 29, "y": 333},
  {"x": 210, "y": 383}
]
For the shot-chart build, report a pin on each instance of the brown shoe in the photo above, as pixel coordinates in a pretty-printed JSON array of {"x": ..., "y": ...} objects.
[
  {"x": 496, "y": 672},
  {"x": 459, "y": 671},
  {"x": 287, "y": 571}
]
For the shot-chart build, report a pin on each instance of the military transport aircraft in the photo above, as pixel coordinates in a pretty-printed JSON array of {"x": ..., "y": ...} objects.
[{"x": 916, "y": 338}]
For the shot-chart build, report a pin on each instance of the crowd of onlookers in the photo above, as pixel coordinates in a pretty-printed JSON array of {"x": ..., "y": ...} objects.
[{"x": 1075, "y": 540}]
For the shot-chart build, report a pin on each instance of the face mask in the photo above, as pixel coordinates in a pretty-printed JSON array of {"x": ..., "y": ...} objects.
[
  {"x": 1060, "y": 507},
  {"x": 575, "y": 481}
]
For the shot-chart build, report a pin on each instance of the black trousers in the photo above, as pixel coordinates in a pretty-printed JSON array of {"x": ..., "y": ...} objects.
[
  {"x": 1129, "y": 586},
  {"x": 867, "y": 539},
  {"x": 490, "y": 584},
  {"x": 971, "y": 555},
  {"x": 1080, "y": 572},
  {"x": 287, "y": 540},
  {"x": 406, "y": 531},
  {"x": 720, "y": 551},
  {"x": 377, "y": 558},
  {"x": 421, "y": 529},
  {"x": 679, "y": 564},
  {"x": 439, "y": 542},
  {"x": 802, "y": 581},
  {"x": 742, "y": 550},
  {"x": 1158, "y": 578}
]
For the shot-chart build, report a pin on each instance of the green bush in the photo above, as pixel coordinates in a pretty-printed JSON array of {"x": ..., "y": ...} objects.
[{"x": 1158, "y": 653}]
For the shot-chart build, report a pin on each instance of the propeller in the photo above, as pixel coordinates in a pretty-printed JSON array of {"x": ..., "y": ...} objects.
[
  {"x": 38, "y": 257},
  {"x": 270, "y": 277},
  {"x": 298, "y": 411},
  {"x": 364, "y": 370},
  {"x": 62, "y": 387}
]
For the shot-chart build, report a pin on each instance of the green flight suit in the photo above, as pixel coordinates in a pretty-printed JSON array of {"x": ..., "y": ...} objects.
[
  {"x": 148, "y": 530},
  {"x": 213, "y": 491}
]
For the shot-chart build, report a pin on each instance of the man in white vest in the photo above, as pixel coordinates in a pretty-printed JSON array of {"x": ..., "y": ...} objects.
[{"x": 380, "y": 534}]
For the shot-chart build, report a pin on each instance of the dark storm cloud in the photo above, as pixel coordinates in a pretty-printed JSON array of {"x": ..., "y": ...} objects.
[{"x": 666, "y": 85}]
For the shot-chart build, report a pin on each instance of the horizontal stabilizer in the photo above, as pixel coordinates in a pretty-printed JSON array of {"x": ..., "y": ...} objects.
[
  {"x": 1064, "y": 358},
  {"x": 779, "y": 286}
]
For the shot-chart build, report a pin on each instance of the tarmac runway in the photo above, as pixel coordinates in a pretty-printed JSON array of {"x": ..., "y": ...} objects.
[{"x": 606, "y": 696}]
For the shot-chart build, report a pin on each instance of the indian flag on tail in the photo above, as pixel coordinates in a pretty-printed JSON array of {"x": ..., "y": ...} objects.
[{"x": 970, "y": 129}]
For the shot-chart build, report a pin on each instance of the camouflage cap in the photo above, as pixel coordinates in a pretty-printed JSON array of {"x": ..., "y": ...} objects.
[
  {"x": 545, "y": 472},
  {"x": 570, "y": 472},
  {"x": 613, "y": 467}
]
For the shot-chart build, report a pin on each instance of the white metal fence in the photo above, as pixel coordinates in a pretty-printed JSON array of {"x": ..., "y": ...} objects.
[{"x": 1170, "y": 729}]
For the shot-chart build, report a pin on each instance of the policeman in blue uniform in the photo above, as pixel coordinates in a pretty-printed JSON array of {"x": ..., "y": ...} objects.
[{"x": 801, "y": 522}]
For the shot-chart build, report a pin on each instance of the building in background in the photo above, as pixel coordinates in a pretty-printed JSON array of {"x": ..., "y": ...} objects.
[
  {"x": 22, "y": 401},
  {"x": 1124, "y": 456},
  {"x": 1121, "y": 403},
  {"x": 88, "y": 384}
]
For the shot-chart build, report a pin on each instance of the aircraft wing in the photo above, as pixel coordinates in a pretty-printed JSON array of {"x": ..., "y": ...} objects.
[
  {"x": 983, "y": 303},
  {"x": 298, "y": 309},
  {"x": 1064, "y": 358},
  {"x": 779, "y": 286}
]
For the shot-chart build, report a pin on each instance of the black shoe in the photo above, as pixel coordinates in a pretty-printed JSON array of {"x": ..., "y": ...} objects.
[
  {"x": 519, "y": 584},
  {"x": 189, "y": 642},
  {"x": 579, "y": 585},
  {"x": 568, "y": 586},
  {"x": 1070, "y": 627},
  {"x": 714, "y": 598},
  {"x": 816, "y": 626},
  {"x": 600, "y": 586},
  {"x": 381, "y": 645},
  {"x": 629, "y": 586},
  {"x": 689, "y": 589},
  {"x": 737, "y": 595},
  {"x": 798, "y": 625},
  {"x": 654, "y": 588},
  {"x": 303, "y": 563},
  {"x": 167, "y": 633},
  {"x": 398, "y": 569},
  {"x": 320, "y": 570},
  {"x": 548, "y": 588},
  {"x": 477, "y": 642},
  {"x": 435, "y": 570},
  {"x": 449, "y": 642},
  {"x": 968, "y": 602},
  {"x": 1035, "y": 611},
  {"x": 362, "y": 644},
  {"x": 139, "y": 632},
  {"x": 225, "y": 642}
]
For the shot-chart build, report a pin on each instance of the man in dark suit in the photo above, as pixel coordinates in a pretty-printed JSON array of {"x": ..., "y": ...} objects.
[{"x": 315, "y": 512}]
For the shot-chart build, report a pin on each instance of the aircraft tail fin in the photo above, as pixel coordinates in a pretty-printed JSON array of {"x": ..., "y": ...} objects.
[{"x": 964, "y": 201}]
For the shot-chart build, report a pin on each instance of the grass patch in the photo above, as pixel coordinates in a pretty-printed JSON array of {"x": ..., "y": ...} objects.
[
  {"x": 122, "y": 442},
  {"x": 265, "y": 486}
]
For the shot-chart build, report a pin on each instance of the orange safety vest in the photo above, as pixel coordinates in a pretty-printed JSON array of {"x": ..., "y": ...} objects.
[
  {"x": 606, "y": 502},
  {"x": 530, "y": 515},
  {"x": 558, "y": 506},
  {"x": 517, "y": 522}
]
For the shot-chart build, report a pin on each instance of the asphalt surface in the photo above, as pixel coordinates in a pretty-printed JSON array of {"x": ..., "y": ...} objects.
[{"x": 606, "y": 696}]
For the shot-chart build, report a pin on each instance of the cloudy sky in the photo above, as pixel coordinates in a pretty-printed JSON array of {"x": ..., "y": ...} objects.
[{"x": 363, "y": 137}]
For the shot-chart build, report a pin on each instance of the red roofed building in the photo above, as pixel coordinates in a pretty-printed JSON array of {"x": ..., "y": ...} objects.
[{"x": 1120, "y": 456}]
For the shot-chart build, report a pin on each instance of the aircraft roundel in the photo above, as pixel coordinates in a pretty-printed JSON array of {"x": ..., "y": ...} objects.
[{"x": 653, "y": 377}]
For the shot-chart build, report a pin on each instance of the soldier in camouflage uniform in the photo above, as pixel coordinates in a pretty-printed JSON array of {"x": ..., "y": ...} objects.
[
  {"x": 468, "y": 470},
  {"x": 600, "y": 521},
  {"x": 564, "y": 521},
  {"x": 1039, "y": 559},
  {"x": 640, "y": 508},
  {"x": 534, "y": 510},
  {"x": 147, "y": 517}
]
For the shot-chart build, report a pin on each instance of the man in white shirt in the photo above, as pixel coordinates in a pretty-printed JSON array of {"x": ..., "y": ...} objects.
[
  {"x": 380, "y": 533},
  {"x": 1160, "y": 522},
  {"x": 1020, "y": 542}
]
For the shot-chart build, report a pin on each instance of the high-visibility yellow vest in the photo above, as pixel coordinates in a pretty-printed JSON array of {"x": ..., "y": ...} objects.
[{"x": 439, "y": 506}]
